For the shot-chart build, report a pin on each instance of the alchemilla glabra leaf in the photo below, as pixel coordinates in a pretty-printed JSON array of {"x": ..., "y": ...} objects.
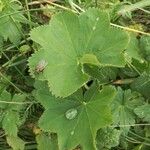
[
  {"x": 143, "y": 112},
  {"x": 69, "y": 41},
  {"x": 77, "y": 118},
  {"x": 10, "y": 25},
  {"x": 123, "y": 108}
]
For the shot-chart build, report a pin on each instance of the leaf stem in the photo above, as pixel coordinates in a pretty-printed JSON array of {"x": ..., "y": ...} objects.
[
  {"x": 18, "y": 103},
  {"x": 14, "y": 85},
  {"x": 65, "y": 8},
  {"x": 129, "y": 125},
  {"x": 129, "y": 29},
  {"x": 28, "y": 13},
  {"x": 9, "y": 60},
  {"x": 132, "y": 7}
]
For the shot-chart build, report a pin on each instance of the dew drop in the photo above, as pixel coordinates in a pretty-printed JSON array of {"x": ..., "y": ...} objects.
[
  {"x": 72, "y": 133},
  {"x": 71, "y": 113},
  {"x": 97, "y": 18}
]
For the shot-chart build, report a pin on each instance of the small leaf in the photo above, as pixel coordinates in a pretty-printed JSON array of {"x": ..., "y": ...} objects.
[
  {"x": 10, "y": 25},
  {"x": 133, "y": 49},
  {"x": 143, "y": 112},
  {"x": 75, "y": 119},
  {"x": 16, "y": 143},
  {"x": 11, "y": 118},
  {"x": 24, "y": 49},
  {"x": 10, "y": 122},
  {"x": 46, "y": 141},
  {"x": 103, "y": 74},
  {"x": 4, "y": 97},
  {"x": 145, "y": 47},
  {"x": 123, "y": 108},
  {"x": 142, "y": 84},
  {"x": 108, "y": 138}
]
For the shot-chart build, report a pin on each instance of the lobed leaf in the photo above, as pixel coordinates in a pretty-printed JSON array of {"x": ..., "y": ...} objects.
[
  {"x": 11, "y": 119},
  {"x": 143, "y": 112},
  {"x": 108, "y": 138},
  {"x": 133, "y": 49},
  {"x": 10, "y": 21},
  {"x": 77, "y": 118},
  {"x": 123, "y": 108},
  {"x": 69, "y": 41},
  {"x": 142, "y": 84}
]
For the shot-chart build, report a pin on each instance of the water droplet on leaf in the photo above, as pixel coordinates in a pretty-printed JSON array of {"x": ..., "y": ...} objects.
[{"x": 71, "y": 113}]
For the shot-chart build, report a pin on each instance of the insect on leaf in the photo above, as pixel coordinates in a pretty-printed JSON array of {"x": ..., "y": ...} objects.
[{"x": 69, "y": 41}]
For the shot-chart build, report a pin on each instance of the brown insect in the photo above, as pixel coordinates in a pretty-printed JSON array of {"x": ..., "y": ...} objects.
[{"x": 40, "y": 66}]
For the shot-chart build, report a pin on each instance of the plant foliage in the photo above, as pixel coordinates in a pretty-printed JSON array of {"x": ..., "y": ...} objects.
[
  {"x": 75, "y": 112},
  {"x": 70, "y": 41},
  {"x": 74, "y": 75},
  {"x": 10, "y": 25}
]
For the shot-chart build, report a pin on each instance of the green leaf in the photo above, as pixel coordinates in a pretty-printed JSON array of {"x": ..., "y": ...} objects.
[
  {"x": 143, "y": 112},
  {"x": 10, "y": 123},
  {"x": 16, "y": 143},
  {"x": 24, "y": 49},
  {"x": 147, "y": 131},
  {"x": 64, "y": 77},
  {"x": 77, "y": 118},
  {"x": 3, "y": 83},
  {"x": 123, "y": 108},
  {"x": 101, "y": 40},
  {"x": 11, "y": 118},
  {"x": 11, "y": 103},
  {"x": 46, "y": 141},
  {"x": 103, "y": 74},
  {"x": 133, "y": 69},
  {"x": 10, "y": 25},
  {"x": 145, "y": 47},
  {"x": 142, "y": 84},
  {"x": 108, "y": 138},
  {"x": 67, "y": 41},
  {"x": 90, "y": 59},
  {"x": 133, "y": 49},
  {"x": 4, "y": 97}
]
